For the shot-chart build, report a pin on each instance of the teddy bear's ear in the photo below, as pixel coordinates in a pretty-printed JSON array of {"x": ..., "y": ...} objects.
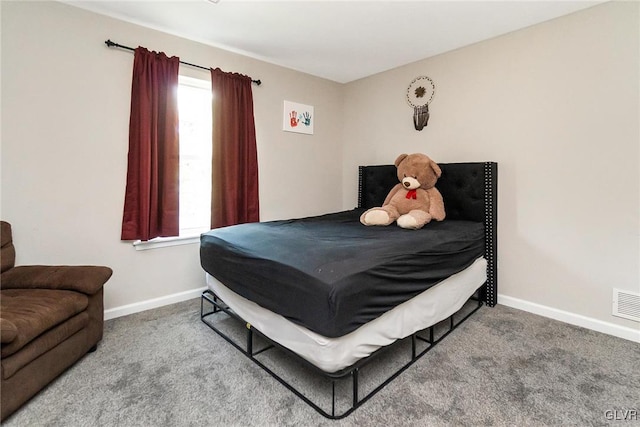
[
  {"x": 436, "y": 168},
  {"x": 400, "y": 158}
]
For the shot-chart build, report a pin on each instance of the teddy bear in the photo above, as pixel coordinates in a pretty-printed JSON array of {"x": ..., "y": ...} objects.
[{"x": 414, "y": 201}]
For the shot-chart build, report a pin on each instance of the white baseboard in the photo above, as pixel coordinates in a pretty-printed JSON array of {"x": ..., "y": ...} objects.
[
  {"x": 531, "y": 307},
  {"x": 137, "y": 307},
  {"x": 572, "y": 318}
]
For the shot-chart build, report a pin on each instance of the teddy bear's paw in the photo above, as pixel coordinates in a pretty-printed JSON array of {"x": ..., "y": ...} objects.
[
  {"x": 376, "y": 217},
  {"x": 407, "y": 221}
]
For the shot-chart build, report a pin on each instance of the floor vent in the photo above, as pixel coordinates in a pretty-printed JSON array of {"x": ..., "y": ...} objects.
[{"x": 626, "y": 304}]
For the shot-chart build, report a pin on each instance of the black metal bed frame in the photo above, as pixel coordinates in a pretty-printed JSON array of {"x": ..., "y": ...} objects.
[
  {"x": 456, "y": 178},
  {"x": 351, "y": 372}
]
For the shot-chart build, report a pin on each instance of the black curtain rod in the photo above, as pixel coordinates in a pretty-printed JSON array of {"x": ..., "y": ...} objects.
[{"x": 114, "y": 44}]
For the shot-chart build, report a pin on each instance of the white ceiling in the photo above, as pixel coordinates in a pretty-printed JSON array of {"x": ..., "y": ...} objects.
[{"x": 337, "y": 40}]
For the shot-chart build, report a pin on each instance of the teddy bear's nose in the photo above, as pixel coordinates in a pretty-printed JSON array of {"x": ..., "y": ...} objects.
[{"x": 407, "y": 184}]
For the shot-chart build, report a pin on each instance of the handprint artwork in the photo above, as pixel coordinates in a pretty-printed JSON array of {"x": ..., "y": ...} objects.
[
  {"x": 298, "y": 118},
  {"x": 307, "y": 118},
  {"x": 294, "y": 119}
]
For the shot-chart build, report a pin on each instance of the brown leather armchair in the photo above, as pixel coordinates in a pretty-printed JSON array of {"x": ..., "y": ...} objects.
[{"x": 50, "y": 316}]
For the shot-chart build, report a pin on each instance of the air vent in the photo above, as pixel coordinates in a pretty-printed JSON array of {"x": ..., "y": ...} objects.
[{"x": 626, "y": 304}]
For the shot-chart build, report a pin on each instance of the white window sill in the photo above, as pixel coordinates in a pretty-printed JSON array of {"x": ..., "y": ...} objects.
[{"x": 163, "y": 242}]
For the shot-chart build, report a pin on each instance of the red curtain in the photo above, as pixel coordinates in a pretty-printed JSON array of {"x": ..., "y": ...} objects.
[
  {"x": 234, "y": 198},
  {"x": 151, "y": 199}
]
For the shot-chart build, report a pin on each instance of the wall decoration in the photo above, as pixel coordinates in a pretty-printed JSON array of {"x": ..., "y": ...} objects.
[
  {"x": 419, "y": 95},
  {"x": 298, "y": 118}
]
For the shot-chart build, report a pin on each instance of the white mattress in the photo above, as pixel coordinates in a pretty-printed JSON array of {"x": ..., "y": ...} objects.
[{"x": 333, "y": 354}]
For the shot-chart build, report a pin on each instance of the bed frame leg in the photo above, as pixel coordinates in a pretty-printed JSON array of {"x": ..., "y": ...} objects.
[
  {"x": 355, "y": 387},
  {"x": 249, "y": 340},
  {"x": 413, "y": 346},
  {"x": 333, "y": 398}
]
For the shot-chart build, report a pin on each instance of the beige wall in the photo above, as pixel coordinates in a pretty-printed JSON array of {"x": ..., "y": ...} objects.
[
  {"x": 65, "y": 113},
  {"x": 557, "y": 105}
]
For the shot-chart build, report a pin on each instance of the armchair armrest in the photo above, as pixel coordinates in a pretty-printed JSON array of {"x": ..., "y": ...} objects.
[{"x": 85, "y": 279}]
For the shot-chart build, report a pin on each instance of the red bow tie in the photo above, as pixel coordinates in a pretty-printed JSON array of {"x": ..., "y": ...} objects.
[{"x": 411, "y": 194}]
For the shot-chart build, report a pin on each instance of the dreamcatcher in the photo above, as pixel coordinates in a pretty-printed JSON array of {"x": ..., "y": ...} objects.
[{"x": 419, "y": 95}]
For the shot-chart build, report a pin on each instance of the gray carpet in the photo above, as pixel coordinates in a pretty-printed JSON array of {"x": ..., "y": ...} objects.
[{"x": 503, "y": 367}]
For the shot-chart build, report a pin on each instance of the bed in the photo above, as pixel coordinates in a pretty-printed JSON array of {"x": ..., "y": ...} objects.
[{"x": 333, "y": 294}]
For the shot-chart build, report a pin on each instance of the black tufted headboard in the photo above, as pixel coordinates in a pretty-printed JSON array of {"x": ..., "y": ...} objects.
[{"x": 469, "y": 191}]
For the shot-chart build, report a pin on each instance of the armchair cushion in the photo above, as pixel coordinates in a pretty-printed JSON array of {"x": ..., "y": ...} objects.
[
  {"x": 45, "y": 343},
  {"x": 85, "y": 279},
  {"x": 35, "y": 311}
]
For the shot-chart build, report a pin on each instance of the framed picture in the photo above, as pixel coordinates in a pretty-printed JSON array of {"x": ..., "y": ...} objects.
[{"x": 298, "y": 118}]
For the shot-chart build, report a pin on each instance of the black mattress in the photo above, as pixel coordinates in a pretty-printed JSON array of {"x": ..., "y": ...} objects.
[{"x": 330, "y": 273}]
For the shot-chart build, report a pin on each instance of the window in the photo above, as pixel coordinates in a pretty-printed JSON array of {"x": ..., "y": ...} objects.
[{"x": 194, "y": 105}]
